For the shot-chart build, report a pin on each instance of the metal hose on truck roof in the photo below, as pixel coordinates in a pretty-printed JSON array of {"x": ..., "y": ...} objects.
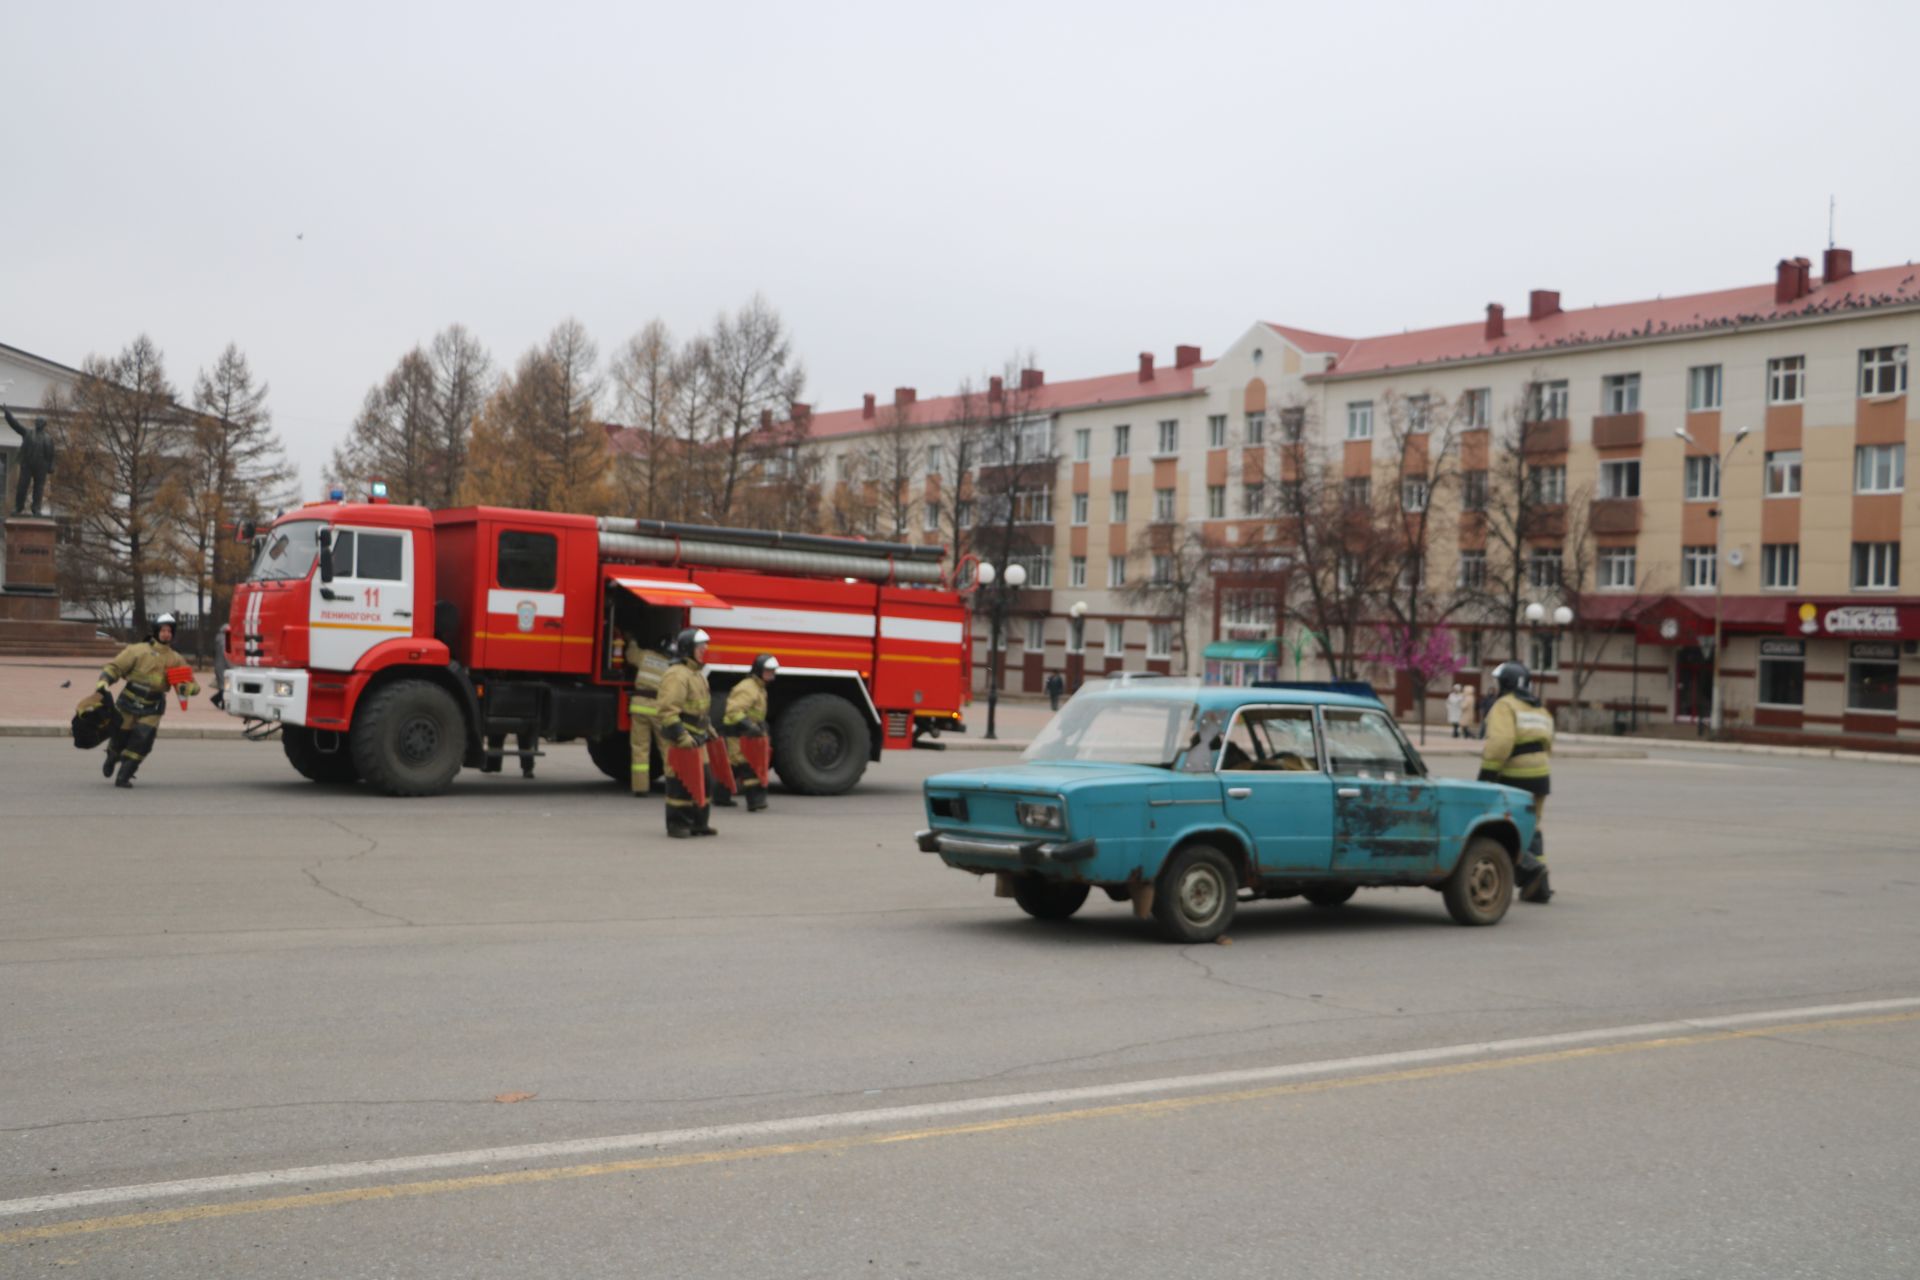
[{"x": 620, "y": 545}]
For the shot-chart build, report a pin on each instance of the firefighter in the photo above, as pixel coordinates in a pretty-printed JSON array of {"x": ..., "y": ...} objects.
[
  {"x": 681, "y": 708},
  {"x": 746, "y": 718},
  {"x": 643, "y": 706},
  {"x": 148, "y": 668},
  {"x": 1519, "y": 753}
]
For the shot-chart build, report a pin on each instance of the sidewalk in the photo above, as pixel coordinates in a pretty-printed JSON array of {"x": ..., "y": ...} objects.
[{"x": 38, "y": 695}]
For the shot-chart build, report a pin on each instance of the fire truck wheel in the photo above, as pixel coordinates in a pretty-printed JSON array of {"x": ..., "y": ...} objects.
[
  {"x": 820, "y": 745},
  {"x": 612, "y": 755},
  {"x": 408, "y": 738},
  {"x": 333, "y": 766}
]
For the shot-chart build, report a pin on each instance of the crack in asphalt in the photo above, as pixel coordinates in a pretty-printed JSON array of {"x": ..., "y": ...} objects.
[
  {"x": 372, "y": 844},
  {"x": 1318, "y": 1002}
]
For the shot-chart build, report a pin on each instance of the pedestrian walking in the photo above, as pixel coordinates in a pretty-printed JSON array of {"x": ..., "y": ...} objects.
[
  {"x": 1056, "y": 685},
  {"x": 1456, "y": 708}
]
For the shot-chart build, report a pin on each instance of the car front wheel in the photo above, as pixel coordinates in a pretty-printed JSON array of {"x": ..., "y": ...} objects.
[
  {"x": 1481, "y": 887},
  {"x": 1194, "y": 897}
]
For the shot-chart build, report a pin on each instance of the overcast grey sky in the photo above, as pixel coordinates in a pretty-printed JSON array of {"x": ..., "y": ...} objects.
[{"x": 920, "y": 190}]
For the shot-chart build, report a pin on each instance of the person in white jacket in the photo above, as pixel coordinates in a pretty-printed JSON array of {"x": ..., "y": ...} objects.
[{"x": 1456, "y": 708}]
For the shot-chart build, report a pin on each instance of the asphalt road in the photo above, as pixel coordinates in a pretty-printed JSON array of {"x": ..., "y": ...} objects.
[{"x": 803, "y": 1048}]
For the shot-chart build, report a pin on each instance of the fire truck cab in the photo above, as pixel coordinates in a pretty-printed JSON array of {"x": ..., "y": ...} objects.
[{"x": 395, "y": 645}]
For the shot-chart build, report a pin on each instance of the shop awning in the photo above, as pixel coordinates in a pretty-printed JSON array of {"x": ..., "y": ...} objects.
[
  {"x": 673, "y": 594},
  {"x": 1242, "y": 651}
]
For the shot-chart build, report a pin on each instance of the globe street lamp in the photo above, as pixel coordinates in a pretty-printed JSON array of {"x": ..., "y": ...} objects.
[
  {"x": 1719, "y": 587},
  {"x": 1013, "y": 579}
]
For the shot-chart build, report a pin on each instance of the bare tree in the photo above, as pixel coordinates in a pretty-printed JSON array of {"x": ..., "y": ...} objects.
[
  {"x": 538, "y": 443},
  {"x": 394, "y": 438},
  {"x": 692, "y": 414},
  {"x": 121, "y": 481},
  {"x": 1518, "y": 510},
  {"x": 644, "y": 373},
  {"x": 1178, "y": 581},
  {"x": 462, "y": 379},
  {"x": 752, "y": 368},
  {"x": 900, "y": 456}
]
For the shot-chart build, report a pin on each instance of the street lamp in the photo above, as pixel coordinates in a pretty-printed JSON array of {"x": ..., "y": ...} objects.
[
  {"x": 1719, "y": 580},
  {"x": 1013, "y": 579}
]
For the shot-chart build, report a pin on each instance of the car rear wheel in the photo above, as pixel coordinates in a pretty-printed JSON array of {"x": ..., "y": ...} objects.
[
  {"x": 1328, "y": 895},
  {"x": 1048, "y": 899},
  {"x": 1194, "y": 897},
  {"x": 1481, "y": 887}
]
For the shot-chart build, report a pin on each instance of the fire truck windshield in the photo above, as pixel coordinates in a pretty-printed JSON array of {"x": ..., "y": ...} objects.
[{"x": 288, "y": 552}]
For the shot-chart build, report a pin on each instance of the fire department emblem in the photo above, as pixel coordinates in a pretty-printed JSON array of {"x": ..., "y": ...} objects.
[{"x": 525, "y": 611}]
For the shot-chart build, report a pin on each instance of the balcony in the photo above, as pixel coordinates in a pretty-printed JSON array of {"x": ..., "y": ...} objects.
[
  {"x": 1615, "y": 515},
  {"x": 1546, "y": 436},
  {"x": 1618, "y": 430}
]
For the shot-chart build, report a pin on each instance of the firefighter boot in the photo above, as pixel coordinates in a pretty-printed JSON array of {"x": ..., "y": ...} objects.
[
  {"x": 756, "y": 799},
  {"x": 1541, "y": 890},
  {"x": 701, "y": 824},
  {"x": 1531, "y": 872},
  {"x": 127, "y": 769},
  {"x": 113, "y": 758},
  {"x": 724, "y": 799},
  {"x": 679, "y": 821}
]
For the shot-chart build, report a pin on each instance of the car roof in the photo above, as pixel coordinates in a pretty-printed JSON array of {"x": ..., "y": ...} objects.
[{"x": 1224, "y": 697}]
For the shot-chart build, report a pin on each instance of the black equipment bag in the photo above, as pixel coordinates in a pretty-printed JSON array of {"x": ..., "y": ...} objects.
[{"x": 93, "y": 721}]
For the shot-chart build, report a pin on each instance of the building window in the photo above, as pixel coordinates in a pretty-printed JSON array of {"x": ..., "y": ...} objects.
[
  {"x": 1413, "y": 494},
  {"x": 1082, "y": 443},
  {"x": 1034, "y": 506},
  {"x": 1699, "y": 568},
  {"x": 1547, "y": 485},
  {"x": 931, "y": 520},
  {"x": 1413, "y": 572},
  {"x": 1473, "y": 490},
  {"x": 1614, "y": 567},
  {"x": 1119, "y": 515},
  {"x": 1077, "y": 571},
  {"x": 1783, "y": 673},
  {"x": 1873, "y": 676},
  {"x": 1543, "y": 568},
  {"x": 843, "y": 467},
  {"x": 1116, "y": 639},
  {"x": 1476, "y": 409},
  {"x": 1547, "y": 402},
  {"x": 1216, "y": 431},
  {"x": 1703, "y": 479},
  {"x": 1360, "y": 420},
  {"x": 1160, "y": 640},
  {"x": 1876, "y": 566},
  {"x": 1880, "y": 468},
  {"x": 1703, "y": 387},
  {"x": 1036, "y": 633},
  {"x": 1883, "y": 371},
  {"x": 1620, "y": 393},
  {"x": 1122, "y": 440},
  {"x": 1077, "y": 632},
  {"x": 1346, "y": 572},
  {"x": 1293, "y": 424},
  {"x": 1039, "y": 568},
  {"x": 1079, "y": 508},
  {"x": 1169, "y": 441},
  {"x": 1787, "y": 380},
  {"x": 1253, "y": 499},
  {"x": 963, "y": 514},
  {"x": 1163, "y": 505},
  {"x": 1255, "y": 610},
  {"x": 1620, "y": 479},
  {"x": 1419, "y": 415},
  {"x": 936, "y": 456},
  {"x": 1545, "y": 646},
  {"x": 1358, "y": 493},
  {"x": 1286, "y": 494},
  {"x": 1162, "y": 570},
  {"x": 1117, "y": 572},
  {"x": 1783, "y": 473},
  {"x": 1216, "y": 501},
  {"x": 1780, "y": 566},
  {"x": 1257, "y": 428},
  {"x": 1472, "y": 574}
]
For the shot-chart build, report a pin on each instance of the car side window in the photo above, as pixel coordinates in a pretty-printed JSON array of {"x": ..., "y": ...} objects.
[
  {"x": 1271, "y": 740},
  {"x": 1363, "y": 744},
  {"x": 528, "y": 561}
]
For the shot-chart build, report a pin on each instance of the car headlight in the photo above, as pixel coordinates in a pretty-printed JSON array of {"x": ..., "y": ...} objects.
[
  {"x": 283, "y": 688},
  {"x": 1032, "y": 813}
]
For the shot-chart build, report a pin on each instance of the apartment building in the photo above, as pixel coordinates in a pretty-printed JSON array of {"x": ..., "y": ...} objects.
[{"x": 1738, "y": 454}]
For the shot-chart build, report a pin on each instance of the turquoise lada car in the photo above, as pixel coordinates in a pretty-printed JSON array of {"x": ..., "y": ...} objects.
[{"x": 1186, "y": 800}]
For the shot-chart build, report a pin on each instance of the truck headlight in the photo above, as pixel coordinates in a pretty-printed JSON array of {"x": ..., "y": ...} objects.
[
  {"x": 1033, "y": 813},
  {"x": 283, "y": 688}
]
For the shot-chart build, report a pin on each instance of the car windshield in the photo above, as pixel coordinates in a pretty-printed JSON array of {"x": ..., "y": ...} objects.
[
  {"x": 287, "y": 552},
  {"x": 1116, "y": 730}
]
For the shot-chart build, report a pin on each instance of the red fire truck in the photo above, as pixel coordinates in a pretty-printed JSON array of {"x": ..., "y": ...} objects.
[{"x": 394, "y": 645}]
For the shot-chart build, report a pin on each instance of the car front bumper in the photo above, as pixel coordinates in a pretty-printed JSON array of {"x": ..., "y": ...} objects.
[{"x": 1032, "y": 853}]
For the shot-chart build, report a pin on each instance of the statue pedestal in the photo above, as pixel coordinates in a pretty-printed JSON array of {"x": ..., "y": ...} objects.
[
  {"x": 29, "y": 568},
  {"x": 30, "y": 623}
]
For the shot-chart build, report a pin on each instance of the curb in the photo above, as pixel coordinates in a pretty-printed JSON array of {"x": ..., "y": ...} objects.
[
  {"x": 62, "y": 731},
  {"x": 1749, "y": 749}
]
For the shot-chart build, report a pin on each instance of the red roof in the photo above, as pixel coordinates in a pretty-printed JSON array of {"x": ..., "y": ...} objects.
[
  {"x": 1617, "y": 322},
  {"x": 1081, "y": 393}
]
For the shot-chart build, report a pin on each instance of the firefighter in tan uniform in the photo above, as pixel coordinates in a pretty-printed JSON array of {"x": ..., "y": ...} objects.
[
  {"x": 649, "y": 667},
  {"x": 150, "y": 669},
  {"x": 746, "y": 719},
  {"x": 1519, "y": 753},
  {"x": 682, "y": 705}
]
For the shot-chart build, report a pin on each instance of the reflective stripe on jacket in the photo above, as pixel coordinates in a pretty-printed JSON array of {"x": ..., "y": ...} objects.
[
  {"x": 1519, "y": 741},
  {"x": 746, "y": 705},
  {"x": 683, "y": 700}
]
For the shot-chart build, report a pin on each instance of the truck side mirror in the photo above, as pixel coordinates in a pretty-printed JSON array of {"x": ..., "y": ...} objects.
[{"x": 326, "y": 555}]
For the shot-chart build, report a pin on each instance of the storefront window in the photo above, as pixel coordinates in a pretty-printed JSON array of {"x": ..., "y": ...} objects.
[
  {"x": 1873, "y": 676},
  {"x": 1783, "y": 673}
]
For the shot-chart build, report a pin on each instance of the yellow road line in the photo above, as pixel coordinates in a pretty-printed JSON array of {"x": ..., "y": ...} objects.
[{"x": 695, "y": 1159}]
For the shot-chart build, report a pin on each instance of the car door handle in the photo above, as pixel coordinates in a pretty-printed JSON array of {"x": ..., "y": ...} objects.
[
  {"x": 1239, "y": 793},
  {"x": 1348, "y": 793},
  {"x": 403, "y": 613}
]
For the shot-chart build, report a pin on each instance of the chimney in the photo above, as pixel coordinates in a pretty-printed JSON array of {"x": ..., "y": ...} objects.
[
  {"x": 1836, "y": 265},
  {"x": 1031, "y": 379},
  {"x": 1186, "y": 357},
  {"x": 1146, "y": 366},
  {"x": 866, "y": 405},
  {"x": 1803, "y": 275},
  {"x": 1542, "y": 303},
  {"x": 802, "y": 414},
  {"x": 1496, "y": 321},
  {"x": 1792, "y": 280},
  {"x": 766, "y": 419},
  {"x": 902, "y": 397}
]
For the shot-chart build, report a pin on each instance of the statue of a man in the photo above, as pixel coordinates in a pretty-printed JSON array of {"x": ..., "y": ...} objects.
[{"x": 36, "y": 463}]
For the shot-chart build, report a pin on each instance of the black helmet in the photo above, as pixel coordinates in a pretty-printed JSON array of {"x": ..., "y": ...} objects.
[
  {"x": 766, "y": 666},
  {"x": 1513, "y": 677},
  {"x": 688, "y": 641}
]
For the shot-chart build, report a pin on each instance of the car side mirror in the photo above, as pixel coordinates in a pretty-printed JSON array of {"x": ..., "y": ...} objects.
[{"x": 326, "y": 555}]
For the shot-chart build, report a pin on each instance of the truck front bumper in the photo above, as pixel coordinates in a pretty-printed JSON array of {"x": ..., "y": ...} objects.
[
  {"x": 266, "y": 693},
  {"x": 1032, "y": 853}
]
